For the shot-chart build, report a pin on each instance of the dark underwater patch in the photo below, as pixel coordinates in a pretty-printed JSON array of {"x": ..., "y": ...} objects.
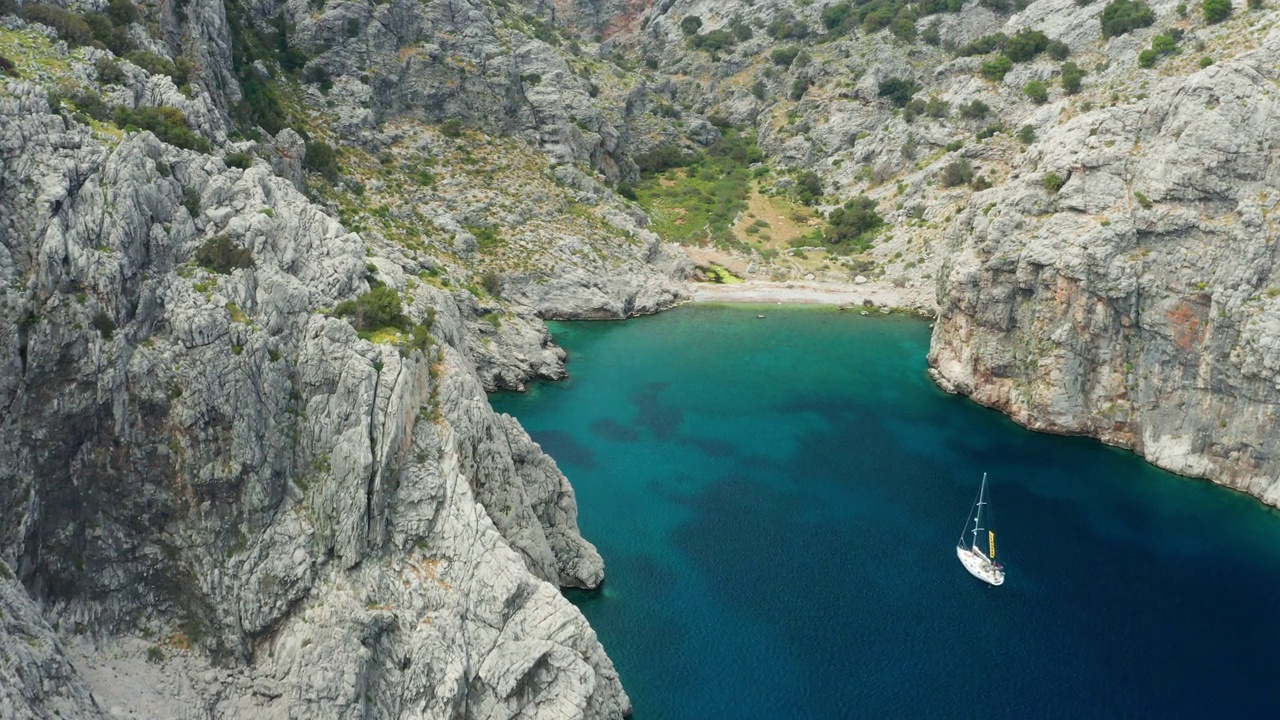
[
  {"x": 610, "y": 429},
  {"x": 564, "y": 448}
]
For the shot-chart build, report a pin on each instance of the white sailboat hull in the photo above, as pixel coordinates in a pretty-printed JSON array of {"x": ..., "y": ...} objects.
[{"x": 979, "y": 566}]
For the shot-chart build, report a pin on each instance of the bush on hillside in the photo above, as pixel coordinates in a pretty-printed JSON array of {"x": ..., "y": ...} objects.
[
  {"x": 975, "y": 110},
  {"x": 1215, "y": 11},
  {"x": 1072, "y": 75},
  {"x": 809, "y": 187},
  {"x": 377, "y": 309},
  {"x": 1121, "y": 16},
  {"x": 957, "y": 172},
  {"x": 996, "y": 68},
  {"x": 854, "y": 221},
  {"x": 898, "y": 91},
  {"x": 1036, "y": 90},
  {"x": 69, "y": 26},
  {"x": 167, "y": 123},
  {"x": 220, "y": 255},
  {"x": 320, "y": 157}
]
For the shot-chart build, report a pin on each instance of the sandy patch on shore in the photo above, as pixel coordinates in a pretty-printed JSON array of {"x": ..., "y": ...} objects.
[{"x": 817, "y": 293}]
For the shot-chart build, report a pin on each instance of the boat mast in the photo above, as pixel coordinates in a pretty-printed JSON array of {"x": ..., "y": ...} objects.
[{"x": 977, "y": 520}]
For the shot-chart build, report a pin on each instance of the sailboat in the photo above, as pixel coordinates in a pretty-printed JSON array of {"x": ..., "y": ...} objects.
[{"x": 979, "y": 564}]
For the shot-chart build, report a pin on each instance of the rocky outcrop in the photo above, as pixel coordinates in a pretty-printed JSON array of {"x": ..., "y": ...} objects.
[
  {"x": 1139, "y": 303},
  {"x": 36, "y": 676},
  {"x": 193, "y": 451}
]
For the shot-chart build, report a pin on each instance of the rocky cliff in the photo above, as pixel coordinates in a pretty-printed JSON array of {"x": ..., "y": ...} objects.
[
  {"x": 247, "y": 464},
  {"x": 1122, "y": 283}
]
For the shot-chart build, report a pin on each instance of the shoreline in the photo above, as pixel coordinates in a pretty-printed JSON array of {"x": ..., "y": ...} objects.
[{"x": 916, "y": 299}]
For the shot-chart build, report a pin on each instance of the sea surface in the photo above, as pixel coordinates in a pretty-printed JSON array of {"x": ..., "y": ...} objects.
[{"x": 778, "y": 501}]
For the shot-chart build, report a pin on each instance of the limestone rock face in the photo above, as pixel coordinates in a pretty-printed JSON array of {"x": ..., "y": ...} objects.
[
  {"x": 36, "y": 676},
  {"x": 247, "y": 509},
  {"x": 1138, "y": 303}
]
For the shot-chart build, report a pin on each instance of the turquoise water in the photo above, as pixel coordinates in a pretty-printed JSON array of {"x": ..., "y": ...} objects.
[{"x": 778, "y": 501}]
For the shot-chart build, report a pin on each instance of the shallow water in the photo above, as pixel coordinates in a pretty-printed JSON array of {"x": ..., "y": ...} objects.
[{"x": 778, "y": 501}]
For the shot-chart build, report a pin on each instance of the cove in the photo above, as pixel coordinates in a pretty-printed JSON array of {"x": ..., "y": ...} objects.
[{"x": 778, "y": 500}]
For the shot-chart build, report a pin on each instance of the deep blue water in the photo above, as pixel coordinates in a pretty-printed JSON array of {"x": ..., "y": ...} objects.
[{"x": 778, "y": 501}]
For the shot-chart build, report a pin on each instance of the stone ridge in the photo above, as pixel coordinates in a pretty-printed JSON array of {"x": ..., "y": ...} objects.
[
  {"x": 1138, "y": 303},
  {"x": 225, "y": 500}
]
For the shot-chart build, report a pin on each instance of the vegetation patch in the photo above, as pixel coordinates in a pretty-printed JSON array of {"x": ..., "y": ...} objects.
[
  {"x": 167, "y": 123},
  {"x": 698, "y": 202},
  {"x": 220, "y": 255},
  {"x": 1122, "y": 16},
  {"x": 854, "y": 224},
  {"x": 721, "y": 276}
]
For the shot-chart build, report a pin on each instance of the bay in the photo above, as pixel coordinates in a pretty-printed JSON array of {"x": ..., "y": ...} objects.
[{"x": 777, "y": 501}]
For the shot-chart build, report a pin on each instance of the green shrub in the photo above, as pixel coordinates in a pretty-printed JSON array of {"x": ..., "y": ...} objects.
[
  {"x": 713, "y": 41},
  {"x": 7, "y": 67},
  {"x": 1036, "y": 90},
  {"x": 321, "y": 158},
  {"x": 160, "y": 65},
  {"x": 1026, "y": 134},
  {"x": 996, "y": 68},
  {"x": 1215, "y": 11},
  {"x": 109, "y": 35},
  {"x": 491, "y": 282},
  {"x": 377, "y": 309},
  {"x": 105, "y": 326},
  {"x": 242, "y": 160},
  {"x": 975, "y": 110},
  {"x": 834, "y": 16},
  {"x": 70, "y": 27},
  {"x": 110, "y": 72},
  {"x": 486, "y": 237},
  {"x": 1058, "y": 50},
  {"x": 937, "y": 108},
  {"x": 990, "y": 131},
  {"x": 218, "y": 254},
  {"x": 191, "y": 201},
  {"x": 1053, "y": 182},
  {"x": 452, "y": 128},
  {"x": 663, "y": 157},
  {"x": 123, "y": 12},
  {"x": 854, "y": 222},
  {"x": 690, "y": 25},
  {"x": 1025, "y": 45},
  {"x": 785, "y": 26},
  {"x": 983, "y": 45},
  {"x": 957, "y": 172},
  {"x": 898, "y": 91},
  {"x": 1206, "y": 61},
  {"x": 167, "y": 123},
  {"x": 1072, "y": 75},
  {"x": 91, "y": 104},
  {"x": 784, "y": 56},
  {"x": 799, "y": 87},
  {"x": 1121, "y": 16},
  {"x": 809, "y": 187},
  {"x": 1161, "y": 45}
]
